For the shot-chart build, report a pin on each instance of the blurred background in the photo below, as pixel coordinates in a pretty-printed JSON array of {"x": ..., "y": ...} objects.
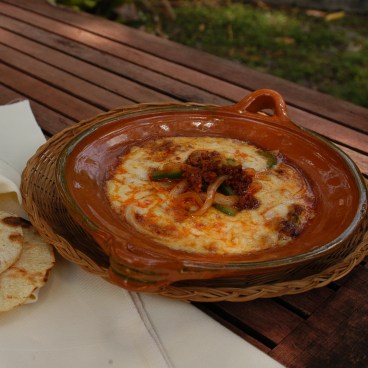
[{"x": 321, "y": 44}]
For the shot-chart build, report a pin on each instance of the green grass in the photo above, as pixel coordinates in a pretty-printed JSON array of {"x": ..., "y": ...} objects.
[{"x": 331, "y": 57}]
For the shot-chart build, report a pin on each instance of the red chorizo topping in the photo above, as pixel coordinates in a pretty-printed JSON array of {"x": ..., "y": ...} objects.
[
  {"x": 204, "y": 167},
  {"x": 247, "y": 202},
  {"x": 238, "y": 180},
  {"x": 207, "y": 172},
  {"x": 292, "y": 226},
  {"x": 204, "y": 159},
  {"x": 193, "y": 176}
]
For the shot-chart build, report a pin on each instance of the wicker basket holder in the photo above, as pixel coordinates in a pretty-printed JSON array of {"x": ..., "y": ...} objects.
[{"x": 49, "y": 216}]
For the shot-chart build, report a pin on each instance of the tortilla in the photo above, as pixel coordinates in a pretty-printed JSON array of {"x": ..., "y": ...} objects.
[
  {"x": 11, "y": 239},
  {"x": 30, "y": 272}
]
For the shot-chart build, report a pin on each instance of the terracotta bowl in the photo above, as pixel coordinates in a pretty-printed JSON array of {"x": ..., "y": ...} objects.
[{"x": 138, "y": 263}]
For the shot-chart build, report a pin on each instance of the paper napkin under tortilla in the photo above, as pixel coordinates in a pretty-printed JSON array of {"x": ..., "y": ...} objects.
[
  {"x": 20, "y": 136},
  {"x": 10, "y": 197},
  {"x": 80, "y": 320}
]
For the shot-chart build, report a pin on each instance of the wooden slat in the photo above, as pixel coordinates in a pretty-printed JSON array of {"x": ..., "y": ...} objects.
[
  {"x": 335, "y": 335},
  {"x": 102, "y": 60},
  {"x": 305, "y": 304},
  {"x": 61, "y": 80},
  {"x": 252, "y": 336},
  {"x": 176, "y": 72},
  {"x": 46, "y": 95},
  {"x": 50, "y": 121},
  {"x": 105, "y": 61},
  {"x": 109, "y": 81},
  {"x": 271, "y": 320},
  {"x": 329, "y": 129},
  {"x": 346, "y": 113}
]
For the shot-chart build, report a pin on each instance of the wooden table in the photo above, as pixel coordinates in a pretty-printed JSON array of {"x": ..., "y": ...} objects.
[{"x": 72, "y": 66}]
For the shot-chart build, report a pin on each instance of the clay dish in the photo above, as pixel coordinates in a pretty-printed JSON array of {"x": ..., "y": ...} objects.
[{"x": 138, "y": 263}]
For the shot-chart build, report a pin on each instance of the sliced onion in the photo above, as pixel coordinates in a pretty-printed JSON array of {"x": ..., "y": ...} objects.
[
  {"x": 250, "y": 171},
  {"x": 193, "y": 197},
  {"x": 178, "y": 188},
  {"x": 255, "y": 187},
  {"x": 225, "y": 200},
  {"x": 130, "y": 216},
  {"x": 211, "y": 192}
]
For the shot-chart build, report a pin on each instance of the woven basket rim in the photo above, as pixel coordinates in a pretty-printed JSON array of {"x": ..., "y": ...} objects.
[{"x": 188, "y": 293}]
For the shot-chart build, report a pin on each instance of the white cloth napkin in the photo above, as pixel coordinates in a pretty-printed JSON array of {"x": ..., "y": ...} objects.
[{"x": 81, "y": 320}]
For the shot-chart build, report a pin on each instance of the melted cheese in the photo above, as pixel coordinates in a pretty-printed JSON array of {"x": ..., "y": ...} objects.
[{"x": 150, "y": 208}]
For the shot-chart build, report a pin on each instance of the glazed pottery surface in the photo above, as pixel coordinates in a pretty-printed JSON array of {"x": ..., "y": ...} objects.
[{"x": 137, "y": 262}]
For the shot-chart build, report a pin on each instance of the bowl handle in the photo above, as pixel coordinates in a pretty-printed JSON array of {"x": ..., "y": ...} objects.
[{"x": 260, "y": 100}]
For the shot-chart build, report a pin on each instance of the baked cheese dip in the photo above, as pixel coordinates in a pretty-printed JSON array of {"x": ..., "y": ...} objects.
[{"x": 210, "y": 195}]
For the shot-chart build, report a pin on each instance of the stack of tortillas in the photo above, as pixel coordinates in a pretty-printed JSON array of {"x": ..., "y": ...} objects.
[{"x": 25, "y": 261}]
